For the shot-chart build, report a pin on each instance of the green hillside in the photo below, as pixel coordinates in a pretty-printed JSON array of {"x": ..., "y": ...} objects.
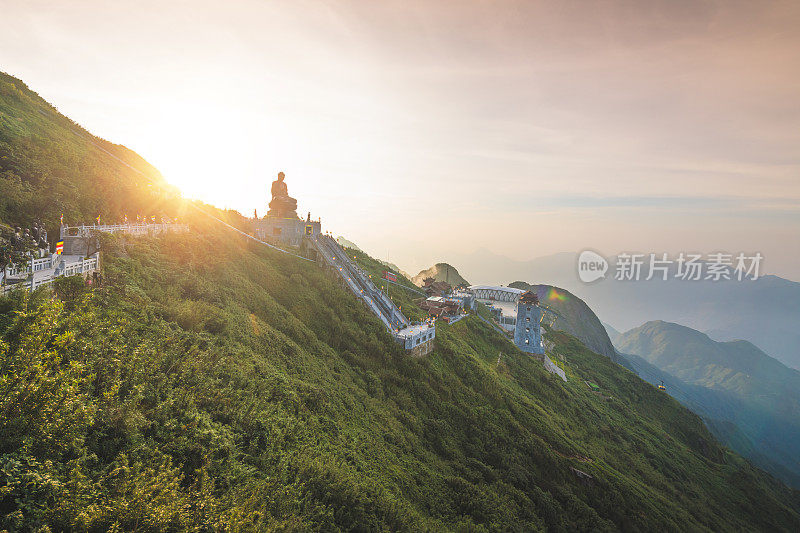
[
  {"x": 49, "y": 165},
  {"x": 744, "y": 388},
  {"x": 403, "y": 293},
  {"x": 573, "y": 316},
  {"x": 213, "y": 384},
  {"x": 721, "y": 412}
]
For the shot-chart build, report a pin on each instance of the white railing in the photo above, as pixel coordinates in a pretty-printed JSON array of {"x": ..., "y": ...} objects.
[
  {"x": 34, "y": 265},
  {"x": 81, "y": 267},
  {"x": 33, "y": 282},
  {"x": 41, "y": 264},
  {"x": 17, "y": 270},
  {"x": 134, "y": 229},
  {"x": 57, "y": 265}
]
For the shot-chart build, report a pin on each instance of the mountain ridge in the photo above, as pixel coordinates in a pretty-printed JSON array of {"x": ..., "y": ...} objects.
[
  {"x": 756, "y": 393},
  {"x": 49, "y": 166},
  {"x": 763, "y": 312},
  {"x": 210, "y": 382},
  {"x": 572, "y": 316},
  {"x": 440, "y": 272}
]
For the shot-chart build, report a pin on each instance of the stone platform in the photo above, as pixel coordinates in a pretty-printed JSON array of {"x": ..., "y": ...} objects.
[{"x": 285, "y": 231}]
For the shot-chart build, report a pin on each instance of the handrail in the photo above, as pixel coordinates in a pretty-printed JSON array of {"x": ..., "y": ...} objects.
[
  {"x": 82, "y": 266},
  {"x": 84, "y": 230}
]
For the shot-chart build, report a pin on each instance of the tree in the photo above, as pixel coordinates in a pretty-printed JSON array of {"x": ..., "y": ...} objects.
[{"x": 15, "y": 248}]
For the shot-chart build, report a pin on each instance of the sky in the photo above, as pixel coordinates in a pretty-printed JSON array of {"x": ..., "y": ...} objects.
[{"x": 423, "y": 129}]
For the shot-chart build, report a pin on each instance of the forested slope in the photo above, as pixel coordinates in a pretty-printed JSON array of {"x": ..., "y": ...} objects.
[
  {"x": 49, "y": 165},
  {"x": 211, "y": 383},
  {"x": 740, "y": 386},
  {"x": 214, "y": 383}
]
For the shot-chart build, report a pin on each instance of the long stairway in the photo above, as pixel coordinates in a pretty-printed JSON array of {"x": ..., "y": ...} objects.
[{"x": 410, "y": 335}]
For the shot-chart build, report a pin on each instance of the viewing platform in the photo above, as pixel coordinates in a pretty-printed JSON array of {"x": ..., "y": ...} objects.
[
  {"x": 132, "y": 229},
  {"x": 80, "y": 256},
  {"x": 43, "y": 271}
]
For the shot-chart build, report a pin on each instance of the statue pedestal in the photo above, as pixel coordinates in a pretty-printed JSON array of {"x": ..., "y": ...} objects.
[
  {"x": 285, "y": 230},
  {"x": 291, "y": 215},
  {"x": 283, "y": 207}
]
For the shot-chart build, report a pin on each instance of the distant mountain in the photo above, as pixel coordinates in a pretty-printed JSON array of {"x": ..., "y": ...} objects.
[
  {"x": 212, "y": 380},
  {"x": 765, "y": 311},
  {"x": 486, "y": 267},
  {"x": 613, "y": 334},
  {"x": 752, "y": 401},
  {"x": 716, "y": 410},
  {"x": 573, "y": 317},
  {"x": 345, "y": 243},
  {"x": 440, "y": 272}
]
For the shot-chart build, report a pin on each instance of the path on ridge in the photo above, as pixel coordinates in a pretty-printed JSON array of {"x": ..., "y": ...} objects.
[{"x": 360, "y": 283}]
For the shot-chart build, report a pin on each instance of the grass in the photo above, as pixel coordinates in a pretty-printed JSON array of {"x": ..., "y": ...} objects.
[{"x": 224, "y": 385}]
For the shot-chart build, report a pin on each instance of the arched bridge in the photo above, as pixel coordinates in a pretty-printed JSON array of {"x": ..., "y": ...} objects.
[{"x": 498, "y": 294}]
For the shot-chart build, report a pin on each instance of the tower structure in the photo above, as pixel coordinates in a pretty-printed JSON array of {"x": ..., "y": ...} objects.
[{"x": 528, "y": 329}]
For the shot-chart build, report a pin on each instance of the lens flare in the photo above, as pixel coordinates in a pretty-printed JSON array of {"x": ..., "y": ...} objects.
[{"x": 554, "y": 295}]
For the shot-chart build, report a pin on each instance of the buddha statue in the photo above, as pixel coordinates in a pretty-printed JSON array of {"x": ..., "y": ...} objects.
[{"x": 282, "y": 205}]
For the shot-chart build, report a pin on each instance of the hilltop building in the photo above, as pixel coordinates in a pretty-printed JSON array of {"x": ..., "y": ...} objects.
[
  {"x": 517, "y": 312},
  {"x": 528, "y": 330},
  {"x": 282, "y": 226},
  {"x": 435, "y": 288},
  {"x": 285, "y": 231},
  {"x": 466, "y": 298},
  {"x": 445, "y": 308}
]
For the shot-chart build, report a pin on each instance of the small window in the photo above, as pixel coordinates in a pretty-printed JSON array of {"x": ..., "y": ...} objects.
[
  {"x": 528, "y": 318},
  {"x": 527, "y": 330},
  {"x": 529, "y": 309},
  {"x": 527, "y": 341}
]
